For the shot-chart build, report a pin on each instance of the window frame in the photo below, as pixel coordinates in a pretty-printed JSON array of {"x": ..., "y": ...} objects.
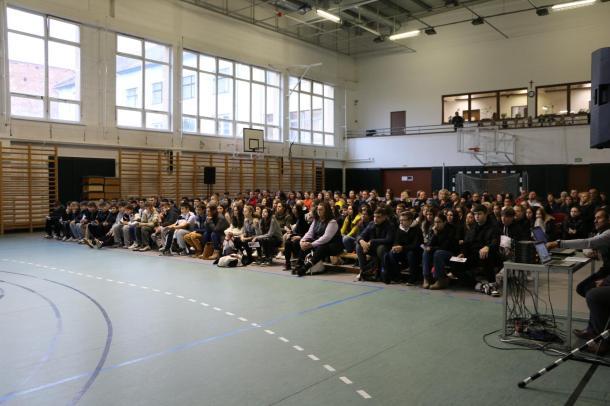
[
  {"x": 568, "y": 96},
  {"x": 470, "y": 94},
  {"x": 310, "y": 133},
  {"x": 46, "y": 98},
  {"x": 143, "y": 110}
]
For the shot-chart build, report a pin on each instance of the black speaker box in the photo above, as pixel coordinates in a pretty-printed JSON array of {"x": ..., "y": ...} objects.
[
  {"x": 600, "y": 98},
  {"x": 209, "y": 175}
]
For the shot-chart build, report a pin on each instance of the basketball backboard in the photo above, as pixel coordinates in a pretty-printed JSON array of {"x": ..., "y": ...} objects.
[{"x": 254, "y": 140}]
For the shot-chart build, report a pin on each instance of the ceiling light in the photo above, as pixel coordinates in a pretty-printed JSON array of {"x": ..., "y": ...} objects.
[
  {"x": 328, "y": 16},
  {"x": 450, "y": 3},
  {"x": 372, "y": 31},
  {"x": 478, "y": 21},
  {"x": 572, "y": 4},
  {"x": 542, "y": 11},
  {"x": 407, "y": 34},
  {"x": 430, "y": 31}
]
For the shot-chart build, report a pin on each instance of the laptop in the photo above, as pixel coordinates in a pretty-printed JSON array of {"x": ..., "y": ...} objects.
[
  {"x": 546, "y": 259},
  {"x": 540, "y": 236}
]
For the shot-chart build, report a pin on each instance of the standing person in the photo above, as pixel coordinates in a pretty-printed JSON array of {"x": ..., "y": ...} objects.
[
  {"x": 457, "y": 121},
  {"x": 595, "y": 288}
]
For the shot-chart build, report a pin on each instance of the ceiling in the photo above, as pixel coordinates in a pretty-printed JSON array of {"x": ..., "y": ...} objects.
[{"x": 366, "y": 24}]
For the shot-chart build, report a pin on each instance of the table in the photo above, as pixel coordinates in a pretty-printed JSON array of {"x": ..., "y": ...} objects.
[{"x": 511, "y": 268}]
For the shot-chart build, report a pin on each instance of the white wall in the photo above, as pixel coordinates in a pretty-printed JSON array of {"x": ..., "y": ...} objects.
[
  {"x": 536, "y": 146},
  {"x": 180, "y": 25}
]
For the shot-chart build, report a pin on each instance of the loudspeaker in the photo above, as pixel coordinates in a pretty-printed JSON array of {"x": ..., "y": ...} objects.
[
  {"x": 600, "y": 98},
  {"x": 209, "y": 175}
]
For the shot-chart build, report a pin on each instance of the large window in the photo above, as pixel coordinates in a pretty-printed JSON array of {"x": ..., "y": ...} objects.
[
  {"x": 492, "y": 105},
  {"x": 44, "y": 67},
  {"x": 222, "y": 97},
  {"x": 143, "y": 71},
  {"x": 311, "y": 112},
  {"x": 573, "y": 98}
]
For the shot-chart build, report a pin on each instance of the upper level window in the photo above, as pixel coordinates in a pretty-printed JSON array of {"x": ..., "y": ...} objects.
[
  {"x": 44, "y": 66},
  {"x": 311, "y": 112},
  {"x": 568, "y": 98},
  {"x": 222, "y": 97},
  {"x": 493, "y": 105},
  {"x": 143, "y": 70}
]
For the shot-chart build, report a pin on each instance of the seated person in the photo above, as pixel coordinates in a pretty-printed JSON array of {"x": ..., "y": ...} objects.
[
  {"x": 269, "y": 239},
  {"x": 437, "y": 252},
  {"x": 374, "y": 242},
  {"x": 193, "y": 238},
  {"x": 574, "y": 227},
  {"x": 482, "y": 249},
  {"x": 111, "y": 238},
  {"x": 54, "y": 219},
  {"x": 149, "y": 218},
  {"x": 323, "y": 239},
  {"x": 99, "y": 226},
  {"x": 405, "y": 250},
  {"x": 250, "y": 229},
  {"x": 185, "y": 224},
  {"x": 292, "y": 239},
  {"x": 72, "y": 213},
  {"x": 350, "y": 231},
  {"x": 213, "y": 230},
  {"x": 168, "y": 215}
]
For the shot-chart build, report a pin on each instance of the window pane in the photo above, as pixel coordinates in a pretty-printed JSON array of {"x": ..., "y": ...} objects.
[
  {"x": 128, "y": 118},
  {"x": 318, "y": 88},
  {"x": 258, "y": 103},
  {"x": 239, "y": 129},
  {"x": 157, "y": 86},
  {"x": 294, "y": 110},
  {"x": 225, "y": 128},
  {"x": 317, "y": 113},
  {"x": 225, "y": 98},
  {"x": 329, "y": 140},
  {"x": 207, "y": 63},
  {"x": 305, "y": 137},
  {"x": 273, "y": 134},
  {"x": 305, "y": 111},
  {"x": 26, "y": 107},
  {"x": 273, "y": 78},
  {"x": 318, "y": 138},
  {"x": 293, "y": 82},
  {"x": 513, "y": 103},
  {"x": 25, "y": 22},
  {"x": 552, "y": 100},
  {"x": 225, "y": 67},
  {"x": 189, "y": 92},
  {"x": 294, "y": 136},
  {"x": 329, "y": 116},
  {"x": 483, "y": 107},
  {"x": 580, "y": 98},
  {"x": 156, "y": 52},
  {"x": 208, "y": 126},
  {"x": 329, "y": 91},
  {"x": 207, "y": 95},
  {"x": 128, "y": 82},
  {"x": 64, "y": 111},
  {"x": 157, "y": 121},
  {"x": 189, "y": 124},
  {"x": 242, "y": 71},
  {"x": 128, "y": 45},
  {"x": 273, "y": 106},
  {"x": 64, "y": 71},
  {"x": 63, "y": 30},
  {"x": 242, "y": 94},
  {"x": 305, "y": 85},
  {"x": 26, "y": 64},
  {"x": 189, "y": 59},
  {"x": 453, "y": 105},
  {"x": 258, "y": 74}
]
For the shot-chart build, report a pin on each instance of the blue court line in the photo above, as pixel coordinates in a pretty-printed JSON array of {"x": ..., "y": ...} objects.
[
  {"x": 52, "y": 344},
  {"x": 185, "y": 346}
]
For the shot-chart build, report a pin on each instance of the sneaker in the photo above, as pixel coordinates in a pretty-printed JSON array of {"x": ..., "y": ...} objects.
[
  {"x": 99, "y": 244},
  {"x": 65, "y": 239},
  {"x": 144, "y": 249},
  {"x": 442, "y": 283},
  {"x": 425, "y": 284},
  {"x": 135, "y": 247},
  {"x": 58, "y": 237},
  {"x": 48, "y": 237},
  {"x": 88, "y": 242}
]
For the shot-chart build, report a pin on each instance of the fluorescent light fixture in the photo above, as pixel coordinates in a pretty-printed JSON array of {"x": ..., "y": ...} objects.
[
  {"x": 572, "y": 4},
  {"x": 407, "y": 34},
  {"x": 430, "y": 31},
  {"x": 328, "y": 16},
  {"x": 365, "y": 28}
]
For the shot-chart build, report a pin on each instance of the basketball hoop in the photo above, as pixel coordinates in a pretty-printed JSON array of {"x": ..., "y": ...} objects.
[{"x": 474, "y": 149}]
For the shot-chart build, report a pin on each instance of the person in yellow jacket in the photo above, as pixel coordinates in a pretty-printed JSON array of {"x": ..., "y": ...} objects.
[{"x": 353, "y": 224}]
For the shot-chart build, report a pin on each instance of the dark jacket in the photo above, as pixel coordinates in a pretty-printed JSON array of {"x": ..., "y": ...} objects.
[
  {"x": 409, "y": 240},
  {"x": 378, "y": 234},
  {"x": 486, "y": 235},
  {"x": 59, "y": 213},
  {"x": 216, "y": 224},
  {"x": 515, "y": 231},
  {"x": 445, "y": 239},
  {"x": 577, "y": 224},
  {"x": 170, "y": 217}
]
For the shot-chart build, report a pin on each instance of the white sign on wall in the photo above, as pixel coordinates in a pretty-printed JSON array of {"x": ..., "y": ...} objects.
[{"x": 406, "y": 178}]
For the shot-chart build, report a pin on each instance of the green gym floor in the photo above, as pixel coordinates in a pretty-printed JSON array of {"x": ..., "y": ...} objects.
[{"x": 113, "y": 327}]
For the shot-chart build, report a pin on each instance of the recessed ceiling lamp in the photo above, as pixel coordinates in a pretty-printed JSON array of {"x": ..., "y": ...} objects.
[
  {"x": 328, "y": 16},
  {"x": 430, "y": 31},
  {"x": 572, "y": 4},
  {"x": 402, "y": 35},
  {"x": 478, "y": 21},
  {"x": 542, "y": 11}
]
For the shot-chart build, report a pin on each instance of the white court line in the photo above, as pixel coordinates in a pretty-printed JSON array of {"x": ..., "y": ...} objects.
[
  {"x": 52, "y": 268},
  {"x": 89, "y": 276},
  {"x": 269, "y": 332},
  {"x": 230, "y": 314},
  {"x": 168, "y": 293},
  {"x": 120, "y": 282},
  {"x": 242, "y": 319},
  {"x": 283, "y": 339},
  {"x": 143, "y": 287},
  {"x": 255, "y": 325},
  {"x": 329, "y": 368},
  {"x": 156, "y": 290},
  {"x": 217, "y": 309},
  {"x": 62, "y": 270},
  {"x": 204, "y": 304},
  {"x": 108, "y": 280},
  {"x": 73, "y": 273},
  {"x": 345, "y": 380},
  {"x": 99, "y": 278},
  {"x": 192, "y": 300},
  {"x": 180, "y": 296},
  {"x": 133, "y": 285},
  {"x": 79, "y": 273},
  {"x": 313, "y": 357},
  {"x": 296, "y": 347},
  {"x": 363, "y": 394}
]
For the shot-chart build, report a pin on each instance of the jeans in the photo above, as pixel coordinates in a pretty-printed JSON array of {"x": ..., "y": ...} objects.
[
  {"x": 589, "y": 283},
  {"x": 393, "y": 260},
  {"x": 438, "y": 258},
  {"x": 349, "y": 243},
  {"x": 214, "y": 237},
  {"x": 377, "y": 253}
]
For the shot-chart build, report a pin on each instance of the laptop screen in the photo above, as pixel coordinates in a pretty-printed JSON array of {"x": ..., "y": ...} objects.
[
  {"x": 543, "y": 253},
  {"x": 539, "y": 235}
]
